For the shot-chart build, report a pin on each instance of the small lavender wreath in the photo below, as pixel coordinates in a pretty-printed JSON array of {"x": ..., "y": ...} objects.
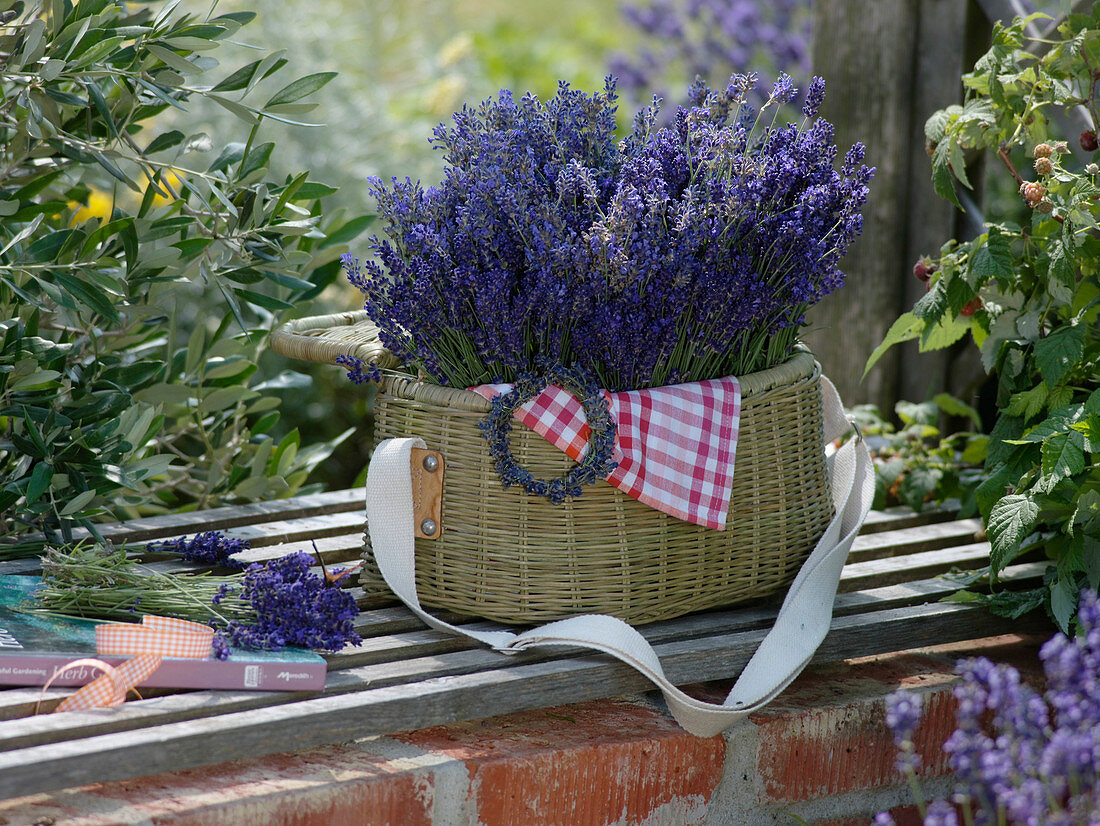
[{"x": 597, "y": 462}]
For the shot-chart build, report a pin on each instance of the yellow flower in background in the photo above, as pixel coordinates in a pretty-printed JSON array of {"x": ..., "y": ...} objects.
[
  {"x": 100, "y": 204},
  {"x": 458, "y": 47},
  {"x": 445, "y": 96}
]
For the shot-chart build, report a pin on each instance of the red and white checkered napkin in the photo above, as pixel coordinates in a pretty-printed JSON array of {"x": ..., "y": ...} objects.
[{"x": 675, "y": 445}]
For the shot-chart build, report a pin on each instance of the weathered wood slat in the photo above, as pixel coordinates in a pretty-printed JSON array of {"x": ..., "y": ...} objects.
[
  {"x": 903, "y": 517},
  {"x": 911, "y": 540},
  {"x": 297, "y": 725},
  {"x": 891, "y": 570},
  {"x": 220, "y": 519}
]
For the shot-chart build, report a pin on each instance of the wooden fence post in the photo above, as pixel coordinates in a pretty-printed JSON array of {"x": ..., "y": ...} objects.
[{"x": 888, "y": 64}]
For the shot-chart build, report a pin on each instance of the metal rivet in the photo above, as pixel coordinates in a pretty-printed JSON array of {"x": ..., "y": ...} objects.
[
  {"x": 427, "y": 527},
  {"x": 431, "y": 464}
]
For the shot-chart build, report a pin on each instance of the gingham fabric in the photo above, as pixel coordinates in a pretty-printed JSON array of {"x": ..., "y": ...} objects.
[
  {"x": 154, "y": 638},
  {"x": 675, "y": 445}
]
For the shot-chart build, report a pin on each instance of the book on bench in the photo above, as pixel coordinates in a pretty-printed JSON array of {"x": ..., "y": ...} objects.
[{"x": 35, "y": 644}]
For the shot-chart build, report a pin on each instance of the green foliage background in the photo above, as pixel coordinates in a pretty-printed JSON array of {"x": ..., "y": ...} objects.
[{"x": 141, "y": 267}]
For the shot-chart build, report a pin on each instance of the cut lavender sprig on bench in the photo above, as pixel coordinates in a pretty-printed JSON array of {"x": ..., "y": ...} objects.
[{"x": 207, "y": 548}]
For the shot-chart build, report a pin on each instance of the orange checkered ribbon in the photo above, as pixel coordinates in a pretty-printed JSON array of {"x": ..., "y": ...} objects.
[{"x": 154, "y": 638}]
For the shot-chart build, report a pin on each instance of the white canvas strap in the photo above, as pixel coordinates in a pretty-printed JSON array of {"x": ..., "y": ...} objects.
[{"x": 799, "y": 628}]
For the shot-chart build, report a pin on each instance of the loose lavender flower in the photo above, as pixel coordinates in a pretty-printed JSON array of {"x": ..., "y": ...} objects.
[
  {"x": 207, "y": 548},
  {"x": 1018, "y": 757},
  {"x": 358, "y": 371},
  {"x": 679, "y": 254},
  {"x": 291, "y": 606}
]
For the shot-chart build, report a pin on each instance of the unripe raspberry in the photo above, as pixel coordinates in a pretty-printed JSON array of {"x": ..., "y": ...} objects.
[
  {"x": 1044, "y": 166},
  {"x": 1088, "y": 140},
  {"x": 1033, "y": 192},
  {"x": 1045, "y": 207},
  {"x": 1042, "y": 150},
  {"x": 924, "y": 268},
  {"x": 972, "y": 306},
  {"x": 1061, "y": 148},
  {"x": 1092, "y": 168}
]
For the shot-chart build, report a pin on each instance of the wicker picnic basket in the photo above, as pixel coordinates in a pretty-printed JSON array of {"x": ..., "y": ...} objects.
[{"x": 509, "y": 556}]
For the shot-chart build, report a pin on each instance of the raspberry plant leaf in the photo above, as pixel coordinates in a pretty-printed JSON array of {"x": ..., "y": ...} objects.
[
  {"x": 1060, "y": 352},
  {"x": 1010, "y": 522}
]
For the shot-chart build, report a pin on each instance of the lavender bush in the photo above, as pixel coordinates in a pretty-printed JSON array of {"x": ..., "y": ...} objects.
[
  {"x": 710, "y": 39},
  {"x": 679, "y": 254},
  {"x": 1019, "y": 757}
]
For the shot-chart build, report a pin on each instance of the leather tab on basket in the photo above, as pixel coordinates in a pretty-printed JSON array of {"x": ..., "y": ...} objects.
[{"x": 427, "y": 487}]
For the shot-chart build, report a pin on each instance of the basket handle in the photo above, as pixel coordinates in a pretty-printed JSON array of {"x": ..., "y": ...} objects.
[{"x": 799, "y": 629}]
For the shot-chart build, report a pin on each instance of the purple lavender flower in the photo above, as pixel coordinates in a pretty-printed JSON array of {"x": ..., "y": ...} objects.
[
  {"x": 1022, "y": 758},
  {"x": 940, "y": 813},
  {"x": 903, "y": 713},
  {"x": 678, "y": 254},
  {"x": 358, "y": 371},
  {"x": 291, "y": 606},
  {"x": 207, "y": 548}
]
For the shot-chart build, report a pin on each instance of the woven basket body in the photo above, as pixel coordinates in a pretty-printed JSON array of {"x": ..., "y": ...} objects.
[{"x": 510, "y": 556}]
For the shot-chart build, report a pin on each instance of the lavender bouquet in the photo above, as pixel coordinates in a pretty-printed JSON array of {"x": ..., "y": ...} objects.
[
  {"x": 267, "y": 605},
  {"x": 678, "y": 254}
]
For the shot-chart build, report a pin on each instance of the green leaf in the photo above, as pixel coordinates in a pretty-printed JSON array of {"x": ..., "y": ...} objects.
[
  {"x": 239, "y": 79},
  {"x": 39, "y": 482},
  {"x": 956, "y": 407},
  {"x": 1063, "y": 602},
  {"x": 300, "y": 88},
  {"x": 88, "y": 295},
  {"x": 311, "y": 190},
  {"x": 918, "y": 484},
  {"x": 230, "y": 154},
  {"x": 1061, "y": 278},
  {"x": 1063, "y": 456},
  {"x": 257, "y": 159},
  {"x": 78, "y": 502},
  {"x": 932, "y": 306},
  {"x": 225, "y": 397},
  {"x": 991, "y": 262},
  {"x": 242, "y": 112},
  {"x": 165, "y": 141},
  {"x": 173, "y": 60},
  {"x": 289, "y": 281},
  {"x": 347, "y": 232},
  {"x": 1059, "y": 352},
  {"x": 1010, "y": 522},
  {"x": 38, "y": 380},
  {"x": 1014, "y": 604},
  {"x": 1028, "y": 404},
  {"x": 286, "y": 380},
  {"x": 936, "y": 126},
  {"x": 942, "y": 179},
  {"x": 944, "y": 333},
  {"x": 268, "y": 302}
]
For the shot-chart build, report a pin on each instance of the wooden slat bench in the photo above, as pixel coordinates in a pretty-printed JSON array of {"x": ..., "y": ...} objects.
[{"x": 405, "y": 676}]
